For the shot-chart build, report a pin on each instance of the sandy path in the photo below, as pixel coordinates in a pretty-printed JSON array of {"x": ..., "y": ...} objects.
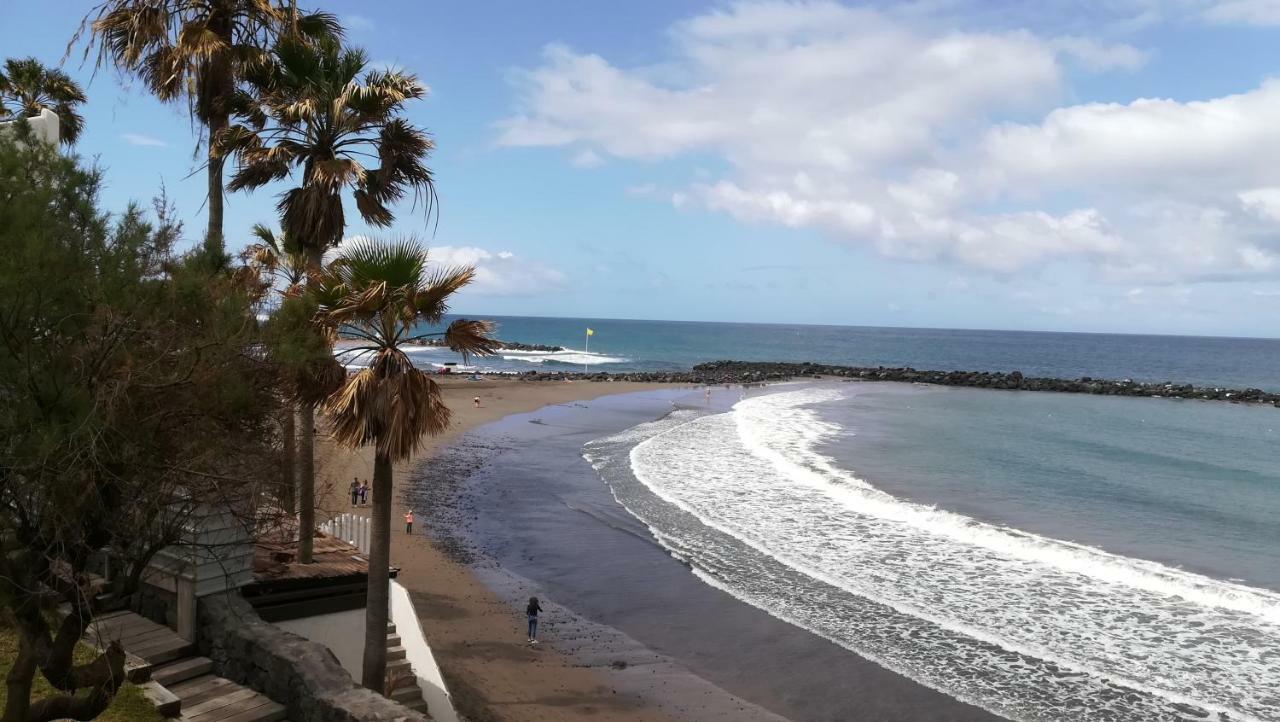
[{"x": 478, "y": 640}]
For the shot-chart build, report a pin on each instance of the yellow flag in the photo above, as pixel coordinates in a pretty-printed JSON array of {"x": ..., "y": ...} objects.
[{"x": 590, "y": 332}]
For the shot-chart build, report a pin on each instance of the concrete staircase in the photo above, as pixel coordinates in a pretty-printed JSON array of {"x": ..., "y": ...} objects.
[{"x": 406, "y": 691}]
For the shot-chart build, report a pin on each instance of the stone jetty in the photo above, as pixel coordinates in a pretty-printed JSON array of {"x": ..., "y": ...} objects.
[{"x": 756, "y": 372}]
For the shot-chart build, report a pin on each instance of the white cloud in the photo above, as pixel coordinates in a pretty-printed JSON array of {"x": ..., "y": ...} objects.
[
  {"x": 586, "y": 159},
  {"x": 143, "y": 140},
  {"x": 877, "y": 130},
  {"x": 1244, "y": 12},
  {"x": 501, "y": 273},
  {"x": 1098, "y": 56},
  {"x": 498, "y": 273}
]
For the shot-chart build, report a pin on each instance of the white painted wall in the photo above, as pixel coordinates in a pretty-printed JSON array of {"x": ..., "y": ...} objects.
[
  {"x": 46, "y": 126},
  {"x": 430, "y": 681},
  {"x": 341, "y": 632}
]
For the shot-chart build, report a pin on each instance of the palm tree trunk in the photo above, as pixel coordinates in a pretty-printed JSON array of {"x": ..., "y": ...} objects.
[
  {"x": 213, "y": 245},
  {"x": 306, "y": 481},
  {"x": 306, "y": 451},
  {"x": 377, "y": 606},
  {"x": 289, "y": 482}
]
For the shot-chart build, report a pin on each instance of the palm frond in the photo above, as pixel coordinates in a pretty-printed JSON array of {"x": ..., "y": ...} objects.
[
  {"x": 432, "y": 301},
  {"x": 471, "y": 338}
]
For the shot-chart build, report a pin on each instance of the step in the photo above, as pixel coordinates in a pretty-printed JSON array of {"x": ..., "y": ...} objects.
[
  {"x": 182, "y": 670},
  {"x": 407, "y": 694},
  {"x": 165, "y": 702},
  {"x": 391, "y": 628},
  {"x": 398, "y": 665},
  {"x": 395, "y": 653},
  {"x": 203, "y": 688},
  {"x": 393, "y": 640},
  {"x": 239, "y": 705}
]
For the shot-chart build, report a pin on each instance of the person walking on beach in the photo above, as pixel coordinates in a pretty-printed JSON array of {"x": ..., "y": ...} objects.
[
  {"x": 364, "y": 492},
  {"x": 355, "y": 491},
  {"x": 477, "y": 402},
  {"x": 532, "y": 611},
  {"x": 408, "y": 522}
]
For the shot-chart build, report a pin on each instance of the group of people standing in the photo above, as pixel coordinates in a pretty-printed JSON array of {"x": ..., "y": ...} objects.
[{"x": 359, "y": 492}]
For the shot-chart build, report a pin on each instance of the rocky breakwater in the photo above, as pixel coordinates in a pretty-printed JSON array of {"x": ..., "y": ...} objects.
[{"x": 754, "y": 372}]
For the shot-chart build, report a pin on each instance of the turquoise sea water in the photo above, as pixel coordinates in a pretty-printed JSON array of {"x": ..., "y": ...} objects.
[
  {"x": 660, "y": 345},
  {"x": 1042, "y": 556}
]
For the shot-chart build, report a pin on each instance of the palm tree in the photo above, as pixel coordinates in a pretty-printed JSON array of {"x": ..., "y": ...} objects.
[
  {"x": 280, "y": 269},
  {"x": 198, "y": 50},
  {"x": 381, "y": 293},
  {"x": 323, "y": 114},
  {"x": 27, "y": 87}
]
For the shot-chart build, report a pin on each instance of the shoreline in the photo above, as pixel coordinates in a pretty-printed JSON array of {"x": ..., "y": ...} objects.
[
  {"x": 591, "y": 670},
  {"x": 492, "y": 673}
]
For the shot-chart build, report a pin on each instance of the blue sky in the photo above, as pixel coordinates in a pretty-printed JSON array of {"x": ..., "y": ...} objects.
[{"x": 1108, "y": 165}]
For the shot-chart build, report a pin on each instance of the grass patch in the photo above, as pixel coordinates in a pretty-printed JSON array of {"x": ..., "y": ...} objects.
[{"x": 129, "y": 705}]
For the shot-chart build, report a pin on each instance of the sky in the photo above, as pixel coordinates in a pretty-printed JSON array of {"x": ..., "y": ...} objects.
[{"x": 1094, "y": 165}]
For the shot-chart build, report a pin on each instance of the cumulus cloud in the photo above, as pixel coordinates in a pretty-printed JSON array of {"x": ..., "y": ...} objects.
[
  {"x": 143, "y": 140},
  {"x": 1244, "y": 12},
  {"x": 1099, "y": 56},
  {"x": 499, "y": 273},
  {"x": 928, "y": 144}
]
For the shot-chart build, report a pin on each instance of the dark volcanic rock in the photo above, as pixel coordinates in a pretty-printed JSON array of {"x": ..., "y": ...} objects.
[{"x": 756, "y": 372}]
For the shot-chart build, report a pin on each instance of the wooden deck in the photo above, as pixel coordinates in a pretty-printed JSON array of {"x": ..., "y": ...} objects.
[
  {"x": 274, "y": 560},
  {"x": 141, "y": 637},
  {"x": 182, "y": 685}
]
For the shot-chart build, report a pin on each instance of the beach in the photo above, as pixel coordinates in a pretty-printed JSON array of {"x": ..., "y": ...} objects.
[
  {"x": 829, "y": 549},
  {"x": 470, "y": 610},
  {"x": 477, "y": 638}
]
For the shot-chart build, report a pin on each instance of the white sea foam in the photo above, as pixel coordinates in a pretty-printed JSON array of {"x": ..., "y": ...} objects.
[
  {"x": 1020, "y": 624},
  {"x": 567, "y": 356}
]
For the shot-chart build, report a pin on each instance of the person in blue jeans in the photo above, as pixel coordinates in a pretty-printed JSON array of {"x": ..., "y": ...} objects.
[{"x": 532, "y": 610}]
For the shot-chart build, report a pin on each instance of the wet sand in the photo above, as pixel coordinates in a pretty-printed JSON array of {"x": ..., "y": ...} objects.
[
  {"x": 542, "y": 501},
  {"x": 477, "y": 637}
]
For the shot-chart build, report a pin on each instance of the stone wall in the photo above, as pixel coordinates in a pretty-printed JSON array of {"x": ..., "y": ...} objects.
[{"x": 302, "y": 675}]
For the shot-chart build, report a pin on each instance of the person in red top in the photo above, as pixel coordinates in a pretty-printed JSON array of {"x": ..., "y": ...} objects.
[{"x": 408, "y": 522}]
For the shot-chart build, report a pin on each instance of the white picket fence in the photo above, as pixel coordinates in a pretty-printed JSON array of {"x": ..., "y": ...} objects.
[{"x": 351, "y": 528}]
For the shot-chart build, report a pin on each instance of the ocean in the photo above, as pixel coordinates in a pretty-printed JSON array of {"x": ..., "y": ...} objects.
[
  {"x": 667, "y": 345},
  {"x": 1037, "y": 556}
]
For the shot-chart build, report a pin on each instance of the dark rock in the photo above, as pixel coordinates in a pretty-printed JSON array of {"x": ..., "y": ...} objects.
[{"x": 760, "y": 372}]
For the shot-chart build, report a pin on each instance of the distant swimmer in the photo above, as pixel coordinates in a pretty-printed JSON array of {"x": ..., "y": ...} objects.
[{"x": 707, "y": 394}]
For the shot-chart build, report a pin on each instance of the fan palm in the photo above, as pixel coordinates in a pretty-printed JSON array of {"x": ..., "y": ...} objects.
[
  {"x": 381, "y": 293},
  {"x": 279, "y": 269},
  {"x": 322, "y": 113},
  {"x": 326, "y": 114},
  {"x": 199, "y": 50},
  {"x": 27, "y": 87}
]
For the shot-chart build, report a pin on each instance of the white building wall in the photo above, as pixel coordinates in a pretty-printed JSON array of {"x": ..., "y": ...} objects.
[
  {"x": 341, "y": 632},
  {"x": 46, "y": 126},
  {"x": 430, "y": 681}
]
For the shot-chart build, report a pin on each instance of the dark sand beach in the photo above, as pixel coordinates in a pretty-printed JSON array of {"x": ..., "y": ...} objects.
[{"x": 514, "y": 510}]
